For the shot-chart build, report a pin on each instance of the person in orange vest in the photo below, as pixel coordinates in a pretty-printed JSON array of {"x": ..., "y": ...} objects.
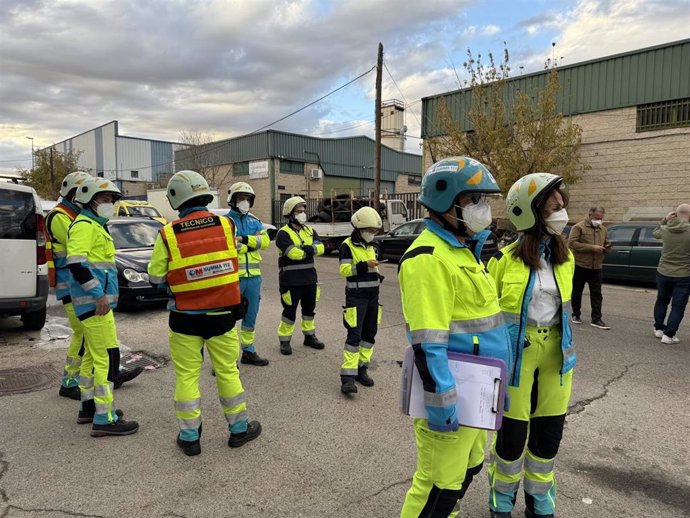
[
  {"x": 57, "y": 224},
  {"x": 195, "y": 257}
]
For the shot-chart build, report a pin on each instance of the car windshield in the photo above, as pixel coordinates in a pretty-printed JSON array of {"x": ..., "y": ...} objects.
[
  {"x": 17, "y": 215},
  {"x": 138, "y": 234},
  {"x": 149, "y": 212}
]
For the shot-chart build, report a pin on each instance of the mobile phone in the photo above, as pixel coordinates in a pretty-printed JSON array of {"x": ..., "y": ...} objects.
[{"x": 383, "y": 261}]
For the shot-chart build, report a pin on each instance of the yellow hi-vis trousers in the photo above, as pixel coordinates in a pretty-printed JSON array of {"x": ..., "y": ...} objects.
[
  {"x": 537, "y": 410},
  {"x": 446, "y": 464},
  {"x": 99, "y": 365},
  {"x": 186, "y": 354},
  {"x": 70, "y": 373}
]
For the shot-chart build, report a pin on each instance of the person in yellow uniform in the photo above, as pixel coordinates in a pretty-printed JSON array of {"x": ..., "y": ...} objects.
[
  {"x": 57, "y": 224},
  {"x": 449, "y": 303},
  {"x": 297, "y": 280},
  {"x": 195, "y": 257},
  {"x": 362, "y": 311},
  {"x": 534, "y": 277},
  {"x": 251, "y": 238},
  {"x": 93, "y": 289}
]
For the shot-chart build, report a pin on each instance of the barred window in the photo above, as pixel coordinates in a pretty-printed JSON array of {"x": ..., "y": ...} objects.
[
  {"x": 663, "y": 115},
  {"x": 240, "y": 169}
]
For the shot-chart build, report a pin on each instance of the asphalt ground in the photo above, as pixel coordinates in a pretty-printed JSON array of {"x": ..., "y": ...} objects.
[{"x": 624, "y": 451}]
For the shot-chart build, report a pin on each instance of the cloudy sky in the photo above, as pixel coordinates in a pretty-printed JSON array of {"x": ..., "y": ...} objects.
[{"x": 225, "y": 68}]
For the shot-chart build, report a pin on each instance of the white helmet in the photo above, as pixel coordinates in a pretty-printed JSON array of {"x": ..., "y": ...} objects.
[
  {"x": 366, "y": 217},
  {"x": 187, "y": 185},
  {"x": 92, "y": 186},
  {"x": 241, "y": 188},
  {"x": 71, "y": 181},
  {"x": 292, "y": 203}
]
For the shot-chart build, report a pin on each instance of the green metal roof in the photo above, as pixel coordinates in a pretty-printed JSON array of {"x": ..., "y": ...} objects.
[
  {"x": 350, "y": 156},
  {"x": 649, "y": 75}
]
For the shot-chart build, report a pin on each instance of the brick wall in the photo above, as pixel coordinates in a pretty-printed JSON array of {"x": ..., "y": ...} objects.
[
  {"x": 402, "y": 185},
  {"x": 632, "y": 174}
]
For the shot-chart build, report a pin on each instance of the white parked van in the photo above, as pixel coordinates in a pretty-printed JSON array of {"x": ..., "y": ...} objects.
[{"x": 23, "y": 263}]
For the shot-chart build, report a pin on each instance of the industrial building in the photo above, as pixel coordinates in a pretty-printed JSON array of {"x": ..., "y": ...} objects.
[
  {"x": 133, "y": 163},
  {"x": 279, "y": 165},
  {"x": 634, "y": 111}
]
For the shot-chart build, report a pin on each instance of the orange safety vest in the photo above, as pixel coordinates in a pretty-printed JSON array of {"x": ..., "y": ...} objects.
[
  {"x": 59, "y": 247},
  {"x": 203, "y": 272}
]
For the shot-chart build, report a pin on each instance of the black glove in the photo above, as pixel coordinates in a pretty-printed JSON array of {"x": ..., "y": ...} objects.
[
  {"x": 239, "y": 311},
  {"x": 381, "y": 277},
  {"x": 241, "y": 239},
  {"x": 309, "y": 250}
]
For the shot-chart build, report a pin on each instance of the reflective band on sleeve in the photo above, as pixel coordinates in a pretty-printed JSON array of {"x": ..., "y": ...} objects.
[
  {"x": 102, "y": 265},
  {"x": 436, "y": 336},
  {"x": 345, "y": 261},
  {"x": 156, "y": 280},
  {"x": 365, "y": 284},
  {"x": 476, "y": 325},
  {"x": 59, "y": 255},
  {"x": 93, "y": 283},
  {"x": 539, "y": 466},
  {"x": 187, "y": 406},
  {"x": 444, "y": 399},
  {"x": 511, "y": 318},
  {"x": 76, "y": 259},
  {"x": 250, "y": 266},
  {"x": 533, "y": 487},
  {"x": 230, "y": 402},
  {"x": 288, "y": 249}
]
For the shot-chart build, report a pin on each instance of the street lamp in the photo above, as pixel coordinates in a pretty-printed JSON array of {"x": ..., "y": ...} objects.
[{"x": 32, "y": 153}]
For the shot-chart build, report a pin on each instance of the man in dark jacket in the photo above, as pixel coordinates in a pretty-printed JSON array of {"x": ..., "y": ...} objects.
[
  {"x": 588, "y": 242},
  {"x": 673, "y": 273}
]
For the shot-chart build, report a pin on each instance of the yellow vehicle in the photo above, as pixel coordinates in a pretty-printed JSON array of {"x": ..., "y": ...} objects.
[{"x": 138, "y": 209}]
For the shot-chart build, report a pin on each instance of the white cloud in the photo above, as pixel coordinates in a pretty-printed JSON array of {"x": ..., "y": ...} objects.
[{"x": 490, "y": 30}]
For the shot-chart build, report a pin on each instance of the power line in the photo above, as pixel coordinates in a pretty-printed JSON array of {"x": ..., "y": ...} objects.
[{"x": 401, "y": 93}]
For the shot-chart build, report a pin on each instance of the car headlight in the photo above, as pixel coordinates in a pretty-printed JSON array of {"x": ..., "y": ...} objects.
[{"x": 134, "y": 276}]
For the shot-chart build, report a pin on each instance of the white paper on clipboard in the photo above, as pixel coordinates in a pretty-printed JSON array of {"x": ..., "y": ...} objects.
[{"x": 479, "y": 392}]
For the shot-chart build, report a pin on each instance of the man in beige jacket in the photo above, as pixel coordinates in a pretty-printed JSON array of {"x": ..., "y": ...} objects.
[{"x": 588, "y": 242}]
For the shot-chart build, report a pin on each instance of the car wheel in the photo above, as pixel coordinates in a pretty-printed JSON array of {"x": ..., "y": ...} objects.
[
  {"x": 378, "y": 253},
  {"x": 34, "y": 320}
]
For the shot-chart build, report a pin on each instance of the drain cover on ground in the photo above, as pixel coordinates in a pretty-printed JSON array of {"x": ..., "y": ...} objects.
[
  {"x": 139, "y": 359},
  {"x": 17, "y": 381}
]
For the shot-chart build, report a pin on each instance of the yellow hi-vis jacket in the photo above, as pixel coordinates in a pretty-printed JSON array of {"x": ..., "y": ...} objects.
[
  {"x": 256, "y": 239},
  {"x": 449, "y": 302},
  {"x": 297, "y": 249},
  {"x": 515, "y": 282},
  {"x": 57, "y": 225},
  {"x": 353, "y": 265}
]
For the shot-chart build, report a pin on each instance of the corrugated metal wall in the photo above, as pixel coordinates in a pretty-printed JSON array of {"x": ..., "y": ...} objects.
[
  {"x": 646, "y": 76},
  {"x": 348, "y": 157}
]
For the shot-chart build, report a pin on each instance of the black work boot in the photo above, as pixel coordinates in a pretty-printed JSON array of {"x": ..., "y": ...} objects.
[
  {"x": 363, "y": 377},
  {"x": 501, "y": 514},
  {"x": 190, "y": 448},
  {"x": 285, "y": 347},
  {"x": 240, "y": 439},
  {"x": 126, "y": 375},
  {"x": 530, "y": 514},
  {"x": 86, "y": 416},
  {"x": 313, "y": 342},
  {"x": 71, "y": 392},
  {"x": 120, "y": 427},
  {"x": 348, "y": 385},
  {"x": 251, "y": 358}
]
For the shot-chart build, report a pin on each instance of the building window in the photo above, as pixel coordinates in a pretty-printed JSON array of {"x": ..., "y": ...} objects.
[
  {"x": 414, "y": 180},
  {"x": 663, "y": 115},
  {"x": 240, "y": 169},
  {"x": 135, "y": 174},
  {"x": 291, "y": 167},
  {"x": 99, "y": 174}
]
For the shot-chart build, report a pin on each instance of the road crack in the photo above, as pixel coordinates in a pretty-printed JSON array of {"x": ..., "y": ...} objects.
[
  {"x": 580, "y": 406},
  {"x": 373, "y": 495}
]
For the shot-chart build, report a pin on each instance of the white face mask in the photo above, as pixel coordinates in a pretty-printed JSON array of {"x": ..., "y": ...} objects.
[
  {"x": 368, "y": 237},
  {"x": 596, "y": 222},
  {"x": 105, "y": 210},
  {"x": 476, "y": 216},
  {"x": 556, "y": 222},
  {"x": 243, "y": 206},
  {"x": 301, "y": 218}
]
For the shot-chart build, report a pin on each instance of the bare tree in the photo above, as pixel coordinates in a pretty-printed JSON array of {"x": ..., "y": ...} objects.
[
  {"x": 51, "y": 167},
  {"x": 513, "y": 132},
  {"x": 202, "y": 156}
]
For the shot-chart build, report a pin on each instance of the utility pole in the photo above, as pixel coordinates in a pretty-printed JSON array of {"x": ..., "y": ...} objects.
[
  {"x": 377, "y": 145},
  {"x": 52, "y": 175},
  {"x": 33, "y": 164}
]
